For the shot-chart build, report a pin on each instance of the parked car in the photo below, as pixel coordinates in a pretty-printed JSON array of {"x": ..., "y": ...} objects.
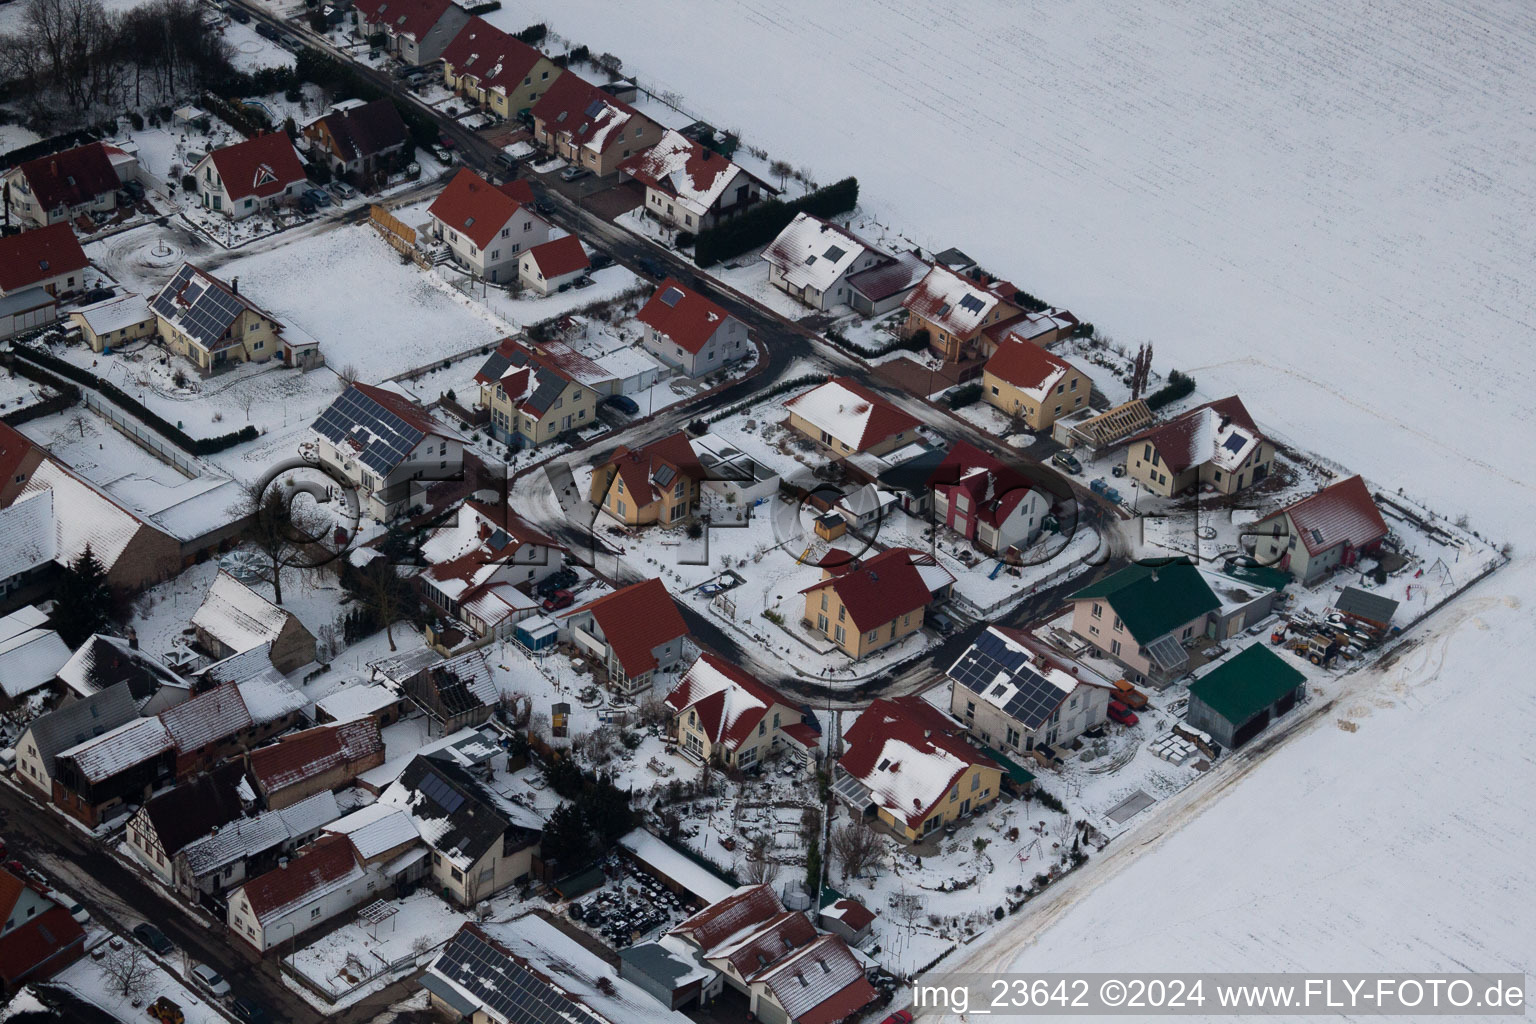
[
  {"x": 559, "y": 599},
  {"x": 211, "y": 980},
  {"x": 166, "y": 1012},
  {"x": 98, "y": 295},
  {"x": 241, "y": 16},
  {"x": 152, "y": 938},
  {"x": 506, "y": 161},
  {"x": 250, "y": 1010},
  {"x": 76, "y": 911},
  {"x": 289, "y": 42},
  {"x": 1118, "y": 712},
  {"x": 558, "y": 580},
  {"x": 599, "y": 260},
  {"x": 1129, "y": 695},
  {"x": 574, "y": 173},
  {"x": 1067, "y": 461},
  {"x": 266, "y": 31},
  {"x": 442, "y": 155},
  {"x": 307, "y": 204},
  {"x": 651, "y": 267},
  {"x": 584, "y": 281},
  {"x": 940, "y": 622},
  {"x": 542, "y": 205},
  {"x": 341, "y": 190},
  {"x": 134, "y": 189},
  {"x": 321, "y": 197},
  {"x": 623, "y": 403},
  {"x": 899, "y": 1017}
]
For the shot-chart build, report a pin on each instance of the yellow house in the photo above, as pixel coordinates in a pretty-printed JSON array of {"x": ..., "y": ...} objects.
[
  {"x": 529, "y": 399},
  {"x": 910, "y": 766},
  {"x": 863, "y": 607},
  {"x": 210, "y": 324},
  {"x": 845, "y": 417},
  {"x": 957, "y": 311},
  {"x": 723, "y": 713},
  {"x": 115, "y": 322},
  {"x": 497, "y": 70},
  {"x": 1214, "y": 445},
  {"x": 1024, "y": 380},
  {"x": 656, "y": 484}
]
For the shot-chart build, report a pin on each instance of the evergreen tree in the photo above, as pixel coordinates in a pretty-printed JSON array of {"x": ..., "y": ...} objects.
[
  {"x": 813, "y": 872},
  {"x": 83, "y": 599}
]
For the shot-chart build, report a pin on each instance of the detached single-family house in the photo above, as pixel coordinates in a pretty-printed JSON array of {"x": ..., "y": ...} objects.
[
  {"x": 812, "y": 260},
  {"x": 634, "y": 632},
  {"x": 477, "y": 850},
  {"x": 579, "y": 122},
  {"x": 722, "y": 712},
  {"x": 531, "y": 399},
  {"x": 865, "y": 606},
  {"x": 170, "y": 821},
  {"x": 844, "y": 417},
  {"x": 790, "y": 973},
  {"x": 233, "y": 618},
  {"x": 114, "y": 322},
  {"x": 417, "y": 31},
  {"x": 1322, "y": 532},
  {"x": 988, "y": 503},
  {"x": 497, "y": 70},
  {"x": 39, "y": 937},
  {"x": 361, "y": 140},
  {"x": 63, "y": 186},
  {"x": 257, "y": 174},
  {"x": 963, "y": 315},
  {"x": 386, "y": 444},
  {"x": 1024, "y": 380},
  {"x": 910, "y": 766},
  {"x": 1015, "y": 694},
  {"x": 885, "y": 286},
  {"x": 1213, "y": 445},
  {"x": 554, "y": 265},
  {"x": 1237, "y": 700},
  {"x": 655, "y": 484},
  {"x": 317, "y": 760},
  {"x": 211, "y": 324},
  {"x": 486, "y": 227},
  {"x": 489, "y": 537},
  {"x": 47, "y": 258},
  {"x": 690, "y": 186},
  {"x": 689, "y": 332}
]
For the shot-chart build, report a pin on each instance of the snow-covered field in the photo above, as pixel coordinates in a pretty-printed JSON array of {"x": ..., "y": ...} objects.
[{"x": 1320, "y": 205}]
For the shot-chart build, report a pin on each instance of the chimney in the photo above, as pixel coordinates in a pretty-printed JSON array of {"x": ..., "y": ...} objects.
[
  {"x": 133, "y": 639},
  {"x": 234, "y": 284}
]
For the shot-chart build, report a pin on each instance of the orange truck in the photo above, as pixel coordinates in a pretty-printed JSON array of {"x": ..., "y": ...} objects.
[{"x": 1128, "y": 695}]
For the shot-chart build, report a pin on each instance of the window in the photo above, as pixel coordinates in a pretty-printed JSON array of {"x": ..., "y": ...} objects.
[
  {"x": 842, "y": 613},
  {"x": 1114, "y": 647},
  {"x": 762, "y": 728},
  {"x": 314, "y": 912},
  {"x": 1098, "y": 610},
  {"x": 823, "y": 600},
  {"x": 1119, "y": 626},
  {"x": 975, "y": 782},
  {"x": 994, "y": 389},
  {"x": 839, "y": 635},
  {"x": 458, "y": 876}
]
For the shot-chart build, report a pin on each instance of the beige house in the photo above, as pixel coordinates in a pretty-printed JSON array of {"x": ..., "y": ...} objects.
[
  {"x": 581, "y": 123},
  {"x": 845, "y": 417},
  {"x": 659, "y": 483},
  {"x": 958, "y": 312},
  {"x": 1321, "y": 532},
  {"x": 1215, "y": 445},
  {"x": 1024, "y": 380},
  {"x": 115, "y": 322},
  {"x": 214, "y": 327},
  {"x": 496, "y": 70},
  {"x": 721, "y": 713},
  {"x": 910, "y": 766},
  {"x": 864, "y": 607},
  {"x": 531, "y": 400}
]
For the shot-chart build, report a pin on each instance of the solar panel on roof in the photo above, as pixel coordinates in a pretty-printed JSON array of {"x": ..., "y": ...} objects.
[
  {"x": 594, "y": 108},
  {"x": 672, "y": 296},
  {"x": 835, "y": 253},
  {"x": 501, "y": 983},
  {"x": 973, "y": 303},
  {"x": 436, "y": 789},
  {"x": 664, "y": 475}
]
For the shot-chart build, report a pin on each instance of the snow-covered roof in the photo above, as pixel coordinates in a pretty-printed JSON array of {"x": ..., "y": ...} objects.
[
  {"x": 116, "y": 751},
  {"x": 376, "y": 829},
  {"x": 1219, "y": 432},
  {"x": 321, "y": 868},
  {"x": 451, "y": 812},
  {"x": 907, "y": 754},
  {"x": 269, "y": 697},
  {"x": 104, "y": 661},
  {"x": 650, "y": 850},
  {"x": 83, "y": 516},
  {"x": 467, "y": 747},
  {"x": 728, "y": 701},
  {"x": 813, "y": 253},
  {"x": 246, "y": 837},
  {"x": 237, "y": 616},
  {"x": 29, "y": 659},
  {"x": 954, "y": 303},
  {"x": 357, "y": 701},
  {"x": 820, "y": 983},
  {"x": 114, "y": 314},
  {"x": 27, "y": 526},
  {"x": 694, "y": 176},
  {"x": 210, "y": 717},
  {"x": 237, "y": 668},
  {"x": 1001, "y": 669},
  {"x": 852, "y": 414}
]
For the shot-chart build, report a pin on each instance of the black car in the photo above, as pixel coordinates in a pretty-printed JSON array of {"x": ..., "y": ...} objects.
[
  {"x": 543, "y": 206},
  {"x": 651, "y": 267},
  {"x": 555, "y": 581},
  {"x": 623, "y": 403},
  {"x": 600, "y": 260},
  {"x": 153, "y": 938},
  {"x": 266, "y": 31},
  {"x": 250, "y": 1010},
  {"x": 134, "y": 189},
  {"x": 241, "y": 16}
]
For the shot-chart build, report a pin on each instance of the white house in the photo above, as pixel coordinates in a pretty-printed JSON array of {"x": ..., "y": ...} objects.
[
  {"x": 1015, "y": 694},
  {"x": 256, "y": 174},
  {"x": 689, "y": 332},
  {"x": 692, "y": 187},
  {"x": 634, "y": 632},
  {"x": 385, "y": 444},
  {"x": 812, "y": 260},
  {"x": 486, "y": 227},
  {"x": 553, "y": 266}
]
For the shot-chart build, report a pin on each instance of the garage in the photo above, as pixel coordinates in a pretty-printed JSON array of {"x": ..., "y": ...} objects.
[
  {"x": 1241, "y": 697},
  {"x": 24, "y": 310}
]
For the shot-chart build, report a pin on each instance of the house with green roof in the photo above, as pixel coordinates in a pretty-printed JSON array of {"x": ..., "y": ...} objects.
[
  {"x": 1238, "y": 699},
  {"x": 1142, "y": 615}
]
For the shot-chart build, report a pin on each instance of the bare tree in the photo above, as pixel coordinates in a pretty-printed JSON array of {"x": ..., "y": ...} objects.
[
  {"x": 246, "y": 399},
  {"x": 128, "y": 970},
  {"x": 385, "y": 594},
  {"x": 856, "y": 847},
  {"x": 907, "y": 907},
  {"x": 78, "y": 423},
  {"x": 810, "y": 823},
  {"x": 348, "y": 375},
  {"x": 281, "y": 528},
  {"x": 760, "y": 865},
  {"x": 784, "y": 169}
]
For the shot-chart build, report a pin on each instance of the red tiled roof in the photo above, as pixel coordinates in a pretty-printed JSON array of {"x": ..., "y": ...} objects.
[
  {"x": 413, "y": 18},
  {"x": 15, "y": 449},
  {"x": 1341, "y": 513},
  {"x": 322, "y": 863},
  {"x": 38, "y": 255},
  {"x": 689, "y": 319},
  {"x": 725, "y": 717},
  {"x": 1026, "y": 365},
  {"x": 916, "y": 726},
  {"x": 783, "y": 934},
  {"x": 1176, "y": 441},
  {"x": 71, "y": 178},
  {"x": 720, "y": 920},
  {"x": 11, "y": 889},
  {"x": 635, "y": 620},
  {"x": 260, "y": 167},
  {"x": 575, "y": 107},
  {"x": 851, "y": 912},
  {"x": 41, "y": 947},
  {"x": 821, "y": 983},
  {"x": 496, "y": 59},
  {"x": 303, "y": 755},
  {"x": 560, "y": 257},
  {"x": 843, "y": 402},
  {"x": 637, "y": 466},
  {"x": 477, "y": 209},
  {"x": 802, "y": 734},
  {"x": 885, "y": 587},
  {"x": 401, "y": 406},
  {"x": 995, "y": 489}
]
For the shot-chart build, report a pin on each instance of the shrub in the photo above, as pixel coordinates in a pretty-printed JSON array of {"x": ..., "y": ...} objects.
[
  {"x": 999, "y": 914},
  {"x": 1179, "y": 385},
  {"x": 188, "y": 184},
  {"x": 685, "y": 239},
  {"x": 533, "y": 34},
  {"x": 961, "y": 397},
  {"x": 1028, "y": 302},
  {"x": 695, "y": 530},
  {"x": 579, "y": 54},
  {"x": 762, "y": 223},
  {"x": 1045, "y": 799},
  {"x": 136, "y": 119}
]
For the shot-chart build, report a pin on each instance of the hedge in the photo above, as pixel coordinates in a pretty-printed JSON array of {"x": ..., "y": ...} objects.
[
  {"x": 67, "y": 395},
  {"x": 1179, "y": 384},
  {"x": 793, "y": 384},
  {"x": 961, "y": 397},
  {"x": 245, "y": 120},
  {"x": 59, "y": 143},
  {"x": 120, "y": 398},
  {"x": 762, "y": 224},
  {"x": 914, "y": 342}
]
